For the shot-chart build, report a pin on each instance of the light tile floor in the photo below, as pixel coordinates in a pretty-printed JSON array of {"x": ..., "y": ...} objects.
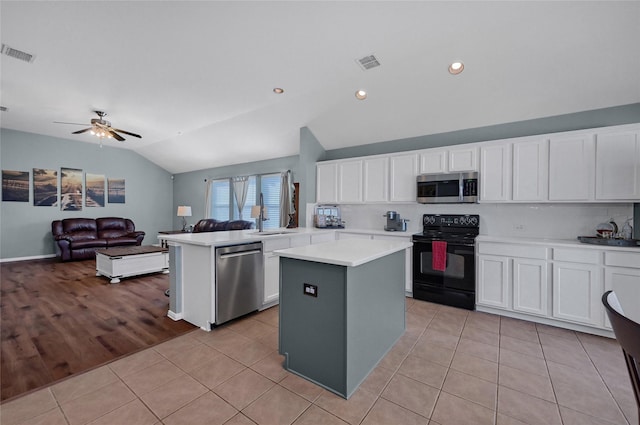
[{"x": 450, "y": 367}]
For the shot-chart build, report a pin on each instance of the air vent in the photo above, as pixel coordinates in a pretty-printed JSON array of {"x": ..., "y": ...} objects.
[
  {"x": 368, "y": 62},
  {"x": 18, "y": 54},
  {"x": 3, "y": 108}
]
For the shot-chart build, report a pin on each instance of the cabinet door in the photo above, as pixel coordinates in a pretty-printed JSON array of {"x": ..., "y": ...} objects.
[
  {"x": 493, "y": 281},
  {"x": 327, "y": 183},
  {"x": 625, "y": 282},
  {"x": 530, "y": 286},
  {"x": 495, "y": 172},
  {"x": 271, "y": 278},
  {"x": 463, "y": 159},
  {"x": 530, "y": 171},
  {"x": 402, "y": 182},
  {"x": 433, "y": 161},
  {"x": 376, "y": 179},
  {"x": 571, "y": 164},
  {"x": 618, "y": 166},
  {"x": 576, "y": 293},
  {"x": 350, "y": 181}
]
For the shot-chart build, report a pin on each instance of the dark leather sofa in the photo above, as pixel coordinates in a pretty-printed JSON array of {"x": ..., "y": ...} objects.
[
  {"x": 78, "y": 238},
  {"x": 213, "y": 225}
]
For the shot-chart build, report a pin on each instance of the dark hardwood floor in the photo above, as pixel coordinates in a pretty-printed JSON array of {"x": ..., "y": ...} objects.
[{"x": 59, "y": 319}]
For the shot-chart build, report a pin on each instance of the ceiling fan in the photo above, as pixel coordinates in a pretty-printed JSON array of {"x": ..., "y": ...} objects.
[{"x": 102, "y": 128}]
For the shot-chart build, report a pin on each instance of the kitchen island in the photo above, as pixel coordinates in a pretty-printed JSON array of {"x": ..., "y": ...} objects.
[
  {"x": 342, "y": 308},
  {"x": 192, "y": 263}
]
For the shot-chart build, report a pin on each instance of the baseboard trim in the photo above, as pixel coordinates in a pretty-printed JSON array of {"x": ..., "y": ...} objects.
[
  {"x": 35, "y": 257},
  {"x": 174, "y": 316}
]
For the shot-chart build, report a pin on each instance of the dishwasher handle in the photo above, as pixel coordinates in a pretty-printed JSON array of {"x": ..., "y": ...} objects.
[{"x": 241, "y": 253}]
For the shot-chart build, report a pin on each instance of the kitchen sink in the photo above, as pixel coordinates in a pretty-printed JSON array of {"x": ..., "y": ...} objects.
[{"x": 594, "y": 240}]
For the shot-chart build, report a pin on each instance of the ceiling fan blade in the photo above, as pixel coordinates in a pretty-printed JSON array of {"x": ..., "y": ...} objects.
[
  {"x": 82, "y": 131},
  {"x": 128, "y": 133},
  {"x": 115, "y": 135},
  {"x": 72, "y": 123}
]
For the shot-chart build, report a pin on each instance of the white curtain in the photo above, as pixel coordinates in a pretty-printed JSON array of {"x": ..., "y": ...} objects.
[
  {"x": 240, "y": 190},
  {"x": 207, "y": 198},
  {"x": 286, "y": 198}
]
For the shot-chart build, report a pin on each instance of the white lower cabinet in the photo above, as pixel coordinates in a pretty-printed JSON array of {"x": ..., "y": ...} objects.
[
  {"x": 271, "y": 278},
  {"x": 530, "y": 286},
  {"x": 556, "y": 284},
  {"x": 493, "y": 281},
  {"x": 576, "y": 293}
]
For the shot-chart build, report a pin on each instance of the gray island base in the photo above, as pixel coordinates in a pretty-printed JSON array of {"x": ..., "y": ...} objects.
[{"x": 337, "y": 321}]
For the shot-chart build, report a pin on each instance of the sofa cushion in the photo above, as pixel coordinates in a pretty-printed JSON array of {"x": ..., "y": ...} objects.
[
  {"x": 73, "y": 225},
  {"x": 88, "y": 243},
  {"x": 240, "y": 225},
  {"x": 113, "y": 227},
  {"x": 79, "y": 236},
  {"x": 122, "y": 240}
]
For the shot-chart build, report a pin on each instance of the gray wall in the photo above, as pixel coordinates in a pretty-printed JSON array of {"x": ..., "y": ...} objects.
[
  {"x": 311, "y": 151},
  {"x": 189, "y": 188},
  {"x": 26, "y": 229},
  {"x": 624, "y": 114}
]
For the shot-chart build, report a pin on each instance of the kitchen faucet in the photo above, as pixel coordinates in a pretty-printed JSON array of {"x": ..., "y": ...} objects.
[{"x": 261, "y": 217}]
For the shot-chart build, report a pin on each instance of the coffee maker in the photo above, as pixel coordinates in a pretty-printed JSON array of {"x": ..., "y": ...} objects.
[{"x": 395, "y": 223}]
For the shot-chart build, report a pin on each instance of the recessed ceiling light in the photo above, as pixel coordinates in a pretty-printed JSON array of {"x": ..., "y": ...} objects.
[
  {"x": 361, "y": 95},
  {"x": 456, "y": 68},
  {"x": 278, "y": 90}
]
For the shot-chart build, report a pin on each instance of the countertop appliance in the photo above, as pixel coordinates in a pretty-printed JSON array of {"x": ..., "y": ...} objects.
[
  {"x": 328, "y": 216},
  {"x": 239, "y": 280},
  {"x": 448, "y": 239},
  {"x": 447, "y": 188},
  {"x": 395, "y": 223}
]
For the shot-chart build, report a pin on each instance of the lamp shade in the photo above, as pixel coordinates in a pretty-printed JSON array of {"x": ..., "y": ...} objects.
[
  {"x": 184, "y": 211},
  {"x": 255, "y": 211}
]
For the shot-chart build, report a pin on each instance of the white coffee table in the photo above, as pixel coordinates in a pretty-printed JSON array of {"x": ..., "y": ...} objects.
[{"x": 127, "y": 261}]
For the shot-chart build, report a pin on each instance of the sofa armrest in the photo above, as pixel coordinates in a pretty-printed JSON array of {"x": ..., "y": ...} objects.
[{"x": 138, "y": 235}]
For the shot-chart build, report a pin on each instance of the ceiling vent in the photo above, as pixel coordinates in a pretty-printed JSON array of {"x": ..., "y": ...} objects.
[
  {"x": 368, "y": 62},
  {"x": 18, "y": 54}
]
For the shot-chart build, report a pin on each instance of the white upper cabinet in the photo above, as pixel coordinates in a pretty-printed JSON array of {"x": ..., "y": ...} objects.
[
  {"x": 618, "y": 166},
  {"x": 376, "y": 179},
  {"x": 434, "y": 161},
  {"x": 327, "y": 182},
  {"x": 350, "y": 181},
  {"x": 403, "y": 170},
  {"x": 495, "y": 172},
  {"x": 453, "y": 160},
  {"x": 530, "y": 170},
  {"x": 571, "y": 165},
  {"x": 463, "y": 159}
]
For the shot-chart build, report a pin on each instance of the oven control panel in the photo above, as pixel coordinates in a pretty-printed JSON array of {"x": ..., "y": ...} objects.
[{"x": 451, "y": 220}]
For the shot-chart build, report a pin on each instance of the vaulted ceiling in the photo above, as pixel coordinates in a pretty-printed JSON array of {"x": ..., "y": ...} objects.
[{"x": 196, "y": 78}]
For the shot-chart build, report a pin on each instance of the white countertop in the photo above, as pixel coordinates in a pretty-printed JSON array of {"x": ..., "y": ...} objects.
[
  {"x": 238, "y": 236},
  {"x": 347, "y": 252},
  {"x": 568, "y": 243}
]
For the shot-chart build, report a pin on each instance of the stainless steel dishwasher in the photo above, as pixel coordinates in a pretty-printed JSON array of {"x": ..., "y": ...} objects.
[{"x": 239, "y": 280}]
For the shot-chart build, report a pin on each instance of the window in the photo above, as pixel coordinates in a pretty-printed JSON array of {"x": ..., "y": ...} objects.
[
  {"x": 270, "y": 186},
  {"x": 225, "y": 207},
  {"x": 220, "y": 196}
]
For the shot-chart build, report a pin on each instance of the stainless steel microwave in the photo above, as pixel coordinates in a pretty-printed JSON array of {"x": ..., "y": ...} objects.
[{"x": 447, "y": 188}]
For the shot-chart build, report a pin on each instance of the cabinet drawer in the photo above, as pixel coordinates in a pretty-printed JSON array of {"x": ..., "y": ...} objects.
[
  {"x": 273, "y": 244},
  {"x": 622, "y": 259},
  {"x": 323, "y": 237},
  {"x": 511, "y": 250},
  {"x": 576, "y": 255},
  {"x": 300, "y": 240}
]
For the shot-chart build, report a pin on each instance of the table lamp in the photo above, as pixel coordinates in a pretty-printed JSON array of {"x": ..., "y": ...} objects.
[{"x": 184, "y": 211}]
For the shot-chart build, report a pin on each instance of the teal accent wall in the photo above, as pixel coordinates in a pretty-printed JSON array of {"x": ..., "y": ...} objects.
[
  {"x": 311, "y": 151},
  {"x": 25, "y": 229},
  {"x": 189, "y": 188},
  {"x": 618, "y": 115}
]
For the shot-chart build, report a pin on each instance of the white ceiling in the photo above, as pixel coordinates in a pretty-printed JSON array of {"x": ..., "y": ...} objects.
[{"x": 195, "y": 78}]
